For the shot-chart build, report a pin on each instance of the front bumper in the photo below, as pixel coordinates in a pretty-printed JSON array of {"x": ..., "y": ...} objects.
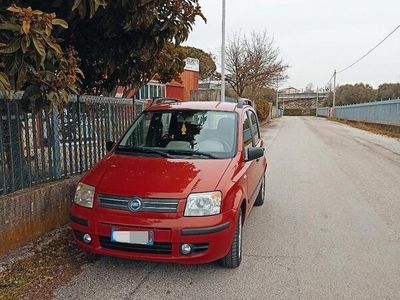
[{"x": 211, "y": 237}]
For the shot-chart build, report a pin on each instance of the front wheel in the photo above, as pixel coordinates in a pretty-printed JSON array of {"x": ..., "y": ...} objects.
[
  {"x": 234, "y": 257},
  {"x": 261, "y": 194}
]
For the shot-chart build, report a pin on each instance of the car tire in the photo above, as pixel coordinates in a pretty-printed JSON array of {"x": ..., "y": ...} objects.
[
  {"x": 261, "y": 194},
  {"x": 234, "y": 257}
]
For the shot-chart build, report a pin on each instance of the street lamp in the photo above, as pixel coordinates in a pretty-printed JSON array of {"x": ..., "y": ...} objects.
[{"x": 223, "y": 52}]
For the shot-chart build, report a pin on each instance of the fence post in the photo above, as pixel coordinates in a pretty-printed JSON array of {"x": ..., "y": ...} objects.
[
  {"x": 110, "y": 124},
  {"x": 78, "y": 103},
  {"x": 56, "y": 142}
]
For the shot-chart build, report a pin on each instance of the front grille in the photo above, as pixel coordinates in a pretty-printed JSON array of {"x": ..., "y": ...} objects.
[
  {"x": 156, "y": 248},
  {"x": 148, "y": 204}
]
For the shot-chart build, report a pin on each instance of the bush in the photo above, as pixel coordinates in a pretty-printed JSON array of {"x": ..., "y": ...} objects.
[{"x": 262, "y": 109}]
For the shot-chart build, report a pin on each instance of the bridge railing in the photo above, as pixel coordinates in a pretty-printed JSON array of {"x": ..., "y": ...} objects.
[
  {"x": 383, "y": 112},
  {"x": 305, "y": 95}
]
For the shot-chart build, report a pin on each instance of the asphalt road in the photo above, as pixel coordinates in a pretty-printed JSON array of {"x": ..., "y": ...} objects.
[{"x": 330, "y": 228}]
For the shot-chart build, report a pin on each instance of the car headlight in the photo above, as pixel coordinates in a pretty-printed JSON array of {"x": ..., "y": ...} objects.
[
  {"x": 203, "y": 204},
  {"x": 84, "y": 195}
]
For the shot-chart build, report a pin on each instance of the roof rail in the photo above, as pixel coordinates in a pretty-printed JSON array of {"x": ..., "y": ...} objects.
[
  {"x": 163, "y": 100},
  {"x": 244, "y": 101}
]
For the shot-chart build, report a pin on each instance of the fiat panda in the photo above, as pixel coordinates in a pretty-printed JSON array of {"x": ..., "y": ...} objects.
[{"x": 177, "y": 187}]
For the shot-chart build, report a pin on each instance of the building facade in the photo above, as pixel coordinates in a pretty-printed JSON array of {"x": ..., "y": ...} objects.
[{"x": 189, "y": 81}]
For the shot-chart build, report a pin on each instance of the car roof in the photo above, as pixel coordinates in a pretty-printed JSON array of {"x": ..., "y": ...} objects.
[{"x": 196, "y": 105}]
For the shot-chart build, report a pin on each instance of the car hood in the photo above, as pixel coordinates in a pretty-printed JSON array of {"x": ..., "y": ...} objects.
[{"x": 128, "y": 175}]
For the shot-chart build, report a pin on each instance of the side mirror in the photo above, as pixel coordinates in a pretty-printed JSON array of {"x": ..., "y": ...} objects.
[
  {"x": 254, "y": 153},
  {"x": 110, "y": 145}
]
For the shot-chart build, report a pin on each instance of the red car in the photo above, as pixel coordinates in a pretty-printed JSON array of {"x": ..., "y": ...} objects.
[{"x": 177, "y": 187}]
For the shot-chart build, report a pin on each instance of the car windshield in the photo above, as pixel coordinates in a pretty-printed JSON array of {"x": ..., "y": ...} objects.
[{"x": 177, "y": 133}]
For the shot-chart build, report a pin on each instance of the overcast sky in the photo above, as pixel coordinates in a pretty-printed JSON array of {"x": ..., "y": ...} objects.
[{"x": 314, "y": 36}]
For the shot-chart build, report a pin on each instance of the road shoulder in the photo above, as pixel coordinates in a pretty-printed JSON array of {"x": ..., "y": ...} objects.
[{"x": 34, "y": 271}]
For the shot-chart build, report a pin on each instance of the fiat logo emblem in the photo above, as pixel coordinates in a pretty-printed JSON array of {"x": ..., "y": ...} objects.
[{"x": 135, "y": 204}]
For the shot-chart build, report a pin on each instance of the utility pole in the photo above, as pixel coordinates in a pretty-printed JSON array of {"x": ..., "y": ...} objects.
[
  {"x": 223, "y": 52},
  {"x": 334, "y": 94},
  {"x": 316, "y": 104}
]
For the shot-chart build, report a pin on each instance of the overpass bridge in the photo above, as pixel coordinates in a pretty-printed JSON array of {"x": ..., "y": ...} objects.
[
  {"x": 300, "y": 103},
  {"x": 301, "y": 96}
]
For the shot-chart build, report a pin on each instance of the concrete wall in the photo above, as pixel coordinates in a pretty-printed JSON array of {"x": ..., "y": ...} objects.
[
  {"x": 305, "y": 104},
  {"x": 29, "y": 213}
]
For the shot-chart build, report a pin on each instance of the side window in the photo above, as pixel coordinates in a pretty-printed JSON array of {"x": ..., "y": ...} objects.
[
  {"x": 159, "y": 126},
  {"x": 137, "y": 134},
  {"x": 247, "y": 138},
  {"x": 254, "y": 127},
  {"x": 165, "y": 121}
]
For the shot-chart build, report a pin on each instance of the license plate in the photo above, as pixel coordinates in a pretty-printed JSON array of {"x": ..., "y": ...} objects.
[{"x": 132, "y": 237}]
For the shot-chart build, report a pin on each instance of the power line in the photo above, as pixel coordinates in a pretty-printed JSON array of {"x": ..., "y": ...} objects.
[
  {"x": 361, "y": 58},
  {"x": 330, "y": 80},
  {"x": 329, "y": 83},
  {"x": 369, "y": 52}
]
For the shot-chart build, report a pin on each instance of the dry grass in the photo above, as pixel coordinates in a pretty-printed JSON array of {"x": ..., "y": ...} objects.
[
  {"x": 37, "y": 275},
  {"x": 367, "y": 127}
]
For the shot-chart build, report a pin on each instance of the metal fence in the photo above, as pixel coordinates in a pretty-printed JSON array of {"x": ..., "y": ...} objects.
[
  {"x": 324, "y": 111},
  {"x": 383, "y": 112},
  {"x": 45, "y": 145}
]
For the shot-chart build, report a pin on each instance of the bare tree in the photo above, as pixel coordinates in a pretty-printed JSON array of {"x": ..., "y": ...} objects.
[
  {"x": 253, "y": 62},
  {"x": 309, "y": 88}
]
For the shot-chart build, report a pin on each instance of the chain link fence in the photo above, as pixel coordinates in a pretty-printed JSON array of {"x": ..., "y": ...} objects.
[{"x": 46, "y": 145}]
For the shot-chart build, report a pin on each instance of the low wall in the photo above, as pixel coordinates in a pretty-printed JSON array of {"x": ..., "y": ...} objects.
[{"x": 29, "y": 213}]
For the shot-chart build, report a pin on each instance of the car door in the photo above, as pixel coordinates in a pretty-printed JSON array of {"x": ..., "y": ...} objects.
[
  {"x": 251, "y": 174},
  {"x": 259, "y": 164}
]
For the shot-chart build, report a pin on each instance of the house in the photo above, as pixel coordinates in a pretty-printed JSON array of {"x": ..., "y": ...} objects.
[
  {"x": 289, "y": 90},
  {"x": 174, "y": 89}
]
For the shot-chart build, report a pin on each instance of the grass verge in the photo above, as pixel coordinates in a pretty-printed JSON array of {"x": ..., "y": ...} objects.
[
  {"x": 48, "y": 266},
  {"x": 368, "y": 127}
]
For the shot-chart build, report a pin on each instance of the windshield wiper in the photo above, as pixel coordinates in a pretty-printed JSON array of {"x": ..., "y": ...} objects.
[
  {"x": 191, "y": 153},
  {"x": 143, "y": 150}
]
